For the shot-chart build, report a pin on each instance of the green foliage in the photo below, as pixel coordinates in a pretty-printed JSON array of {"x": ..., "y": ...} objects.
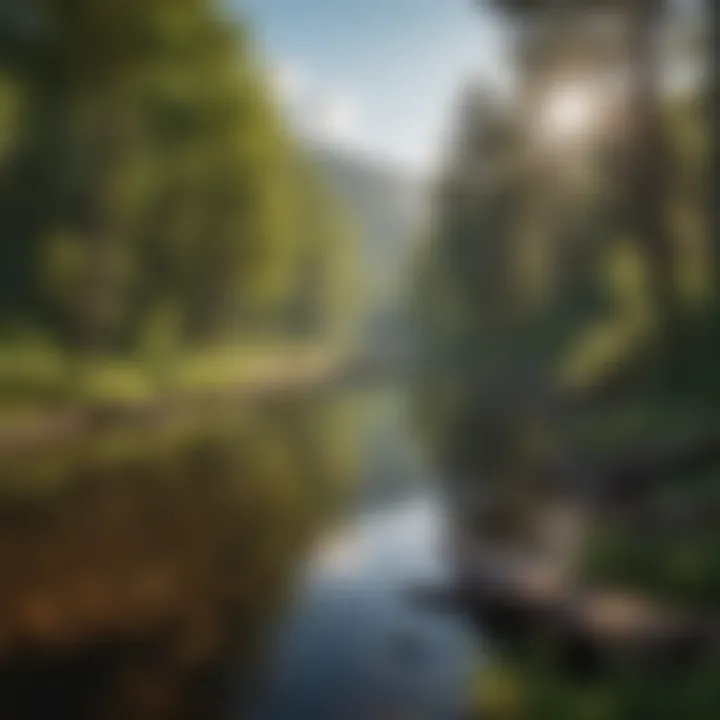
[
  {"x": 538, "y": 287},
  {"x": 148, "y": 182},
  {"x": 528, "y": 690}
]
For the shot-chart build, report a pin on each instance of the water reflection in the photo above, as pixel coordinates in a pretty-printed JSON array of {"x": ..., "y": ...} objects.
[
  {"x": 353, "y": 645},
  {"x": 150, "y": 571},
  {"x": 141, "y": 563}
]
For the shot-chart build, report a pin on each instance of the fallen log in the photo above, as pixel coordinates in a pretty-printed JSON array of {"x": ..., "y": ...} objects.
[{"x": 516, "y": 601}]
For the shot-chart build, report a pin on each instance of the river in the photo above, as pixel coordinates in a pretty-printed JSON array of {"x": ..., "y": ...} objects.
[
  {"x": 267, "y": 548},
  {"x": 351, "y": 644}
]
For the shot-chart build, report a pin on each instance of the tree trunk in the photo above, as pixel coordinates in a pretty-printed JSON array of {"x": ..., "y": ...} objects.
[
  {"x": 713, "y": 207},
  {"x": 108, "y": 145},
  {"x": 648, "y": 175}
]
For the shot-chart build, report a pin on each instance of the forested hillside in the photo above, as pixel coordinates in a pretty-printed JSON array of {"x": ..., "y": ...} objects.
[
  {"x": 386, "y": 205},
  {"x": 170, "y": 262},
  {"x": 569, "y": 299},
  {"x": 151, "y": 199}
]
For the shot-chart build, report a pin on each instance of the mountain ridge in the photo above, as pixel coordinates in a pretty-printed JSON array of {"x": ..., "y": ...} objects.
[{"x": 385, "y": 205}]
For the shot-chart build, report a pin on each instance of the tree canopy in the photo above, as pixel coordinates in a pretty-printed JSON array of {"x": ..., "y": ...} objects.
[{"x": 147, "y": 180}]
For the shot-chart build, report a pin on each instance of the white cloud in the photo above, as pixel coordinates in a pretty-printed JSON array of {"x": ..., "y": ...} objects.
[
  {"x": 291, "y": 83},
  {"x": 317, "y": 111},
  {"x": 336, "y": 118}
]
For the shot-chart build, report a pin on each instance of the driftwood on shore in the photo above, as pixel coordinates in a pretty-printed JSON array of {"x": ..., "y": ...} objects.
[
  {"x": 517, "y": 599},
  {"x": 519, "y": 595}
]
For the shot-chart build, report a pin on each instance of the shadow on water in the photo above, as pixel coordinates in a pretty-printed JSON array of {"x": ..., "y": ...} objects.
[{"x": 139, "y": 568}]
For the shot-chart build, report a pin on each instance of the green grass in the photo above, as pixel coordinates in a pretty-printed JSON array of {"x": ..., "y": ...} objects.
[
  {"x": 35, "y": 378},
  {"x": 530, "y": 689}
]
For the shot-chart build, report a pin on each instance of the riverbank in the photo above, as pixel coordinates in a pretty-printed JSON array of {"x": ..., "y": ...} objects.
[
  {"x": 37, "y": 378},
  {"x": 126, "y": 400},
  {"x": 146, "y": 560}
]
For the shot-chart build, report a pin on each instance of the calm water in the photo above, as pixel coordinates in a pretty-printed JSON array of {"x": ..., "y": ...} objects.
[
  {"x": 147, "y": 568},
  {"x": 352, "y": 645}
]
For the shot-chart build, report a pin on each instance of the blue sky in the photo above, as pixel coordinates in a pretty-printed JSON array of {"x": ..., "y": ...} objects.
[{"x": 376, "y": 76}]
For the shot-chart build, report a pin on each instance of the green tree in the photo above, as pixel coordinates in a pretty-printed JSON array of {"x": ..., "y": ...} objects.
[
  {"x": 146, "y": 172},
  {"x": 566, "y": 397}
]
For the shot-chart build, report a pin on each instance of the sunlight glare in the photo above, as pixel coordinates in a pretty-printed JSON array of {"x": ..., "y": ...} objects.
[{"x": 568, "y": 114}]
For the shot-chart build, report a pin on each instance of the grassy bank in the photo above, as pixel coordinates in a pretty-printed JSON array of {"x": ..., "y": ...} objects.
[{"x": 35, "y": 378}]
